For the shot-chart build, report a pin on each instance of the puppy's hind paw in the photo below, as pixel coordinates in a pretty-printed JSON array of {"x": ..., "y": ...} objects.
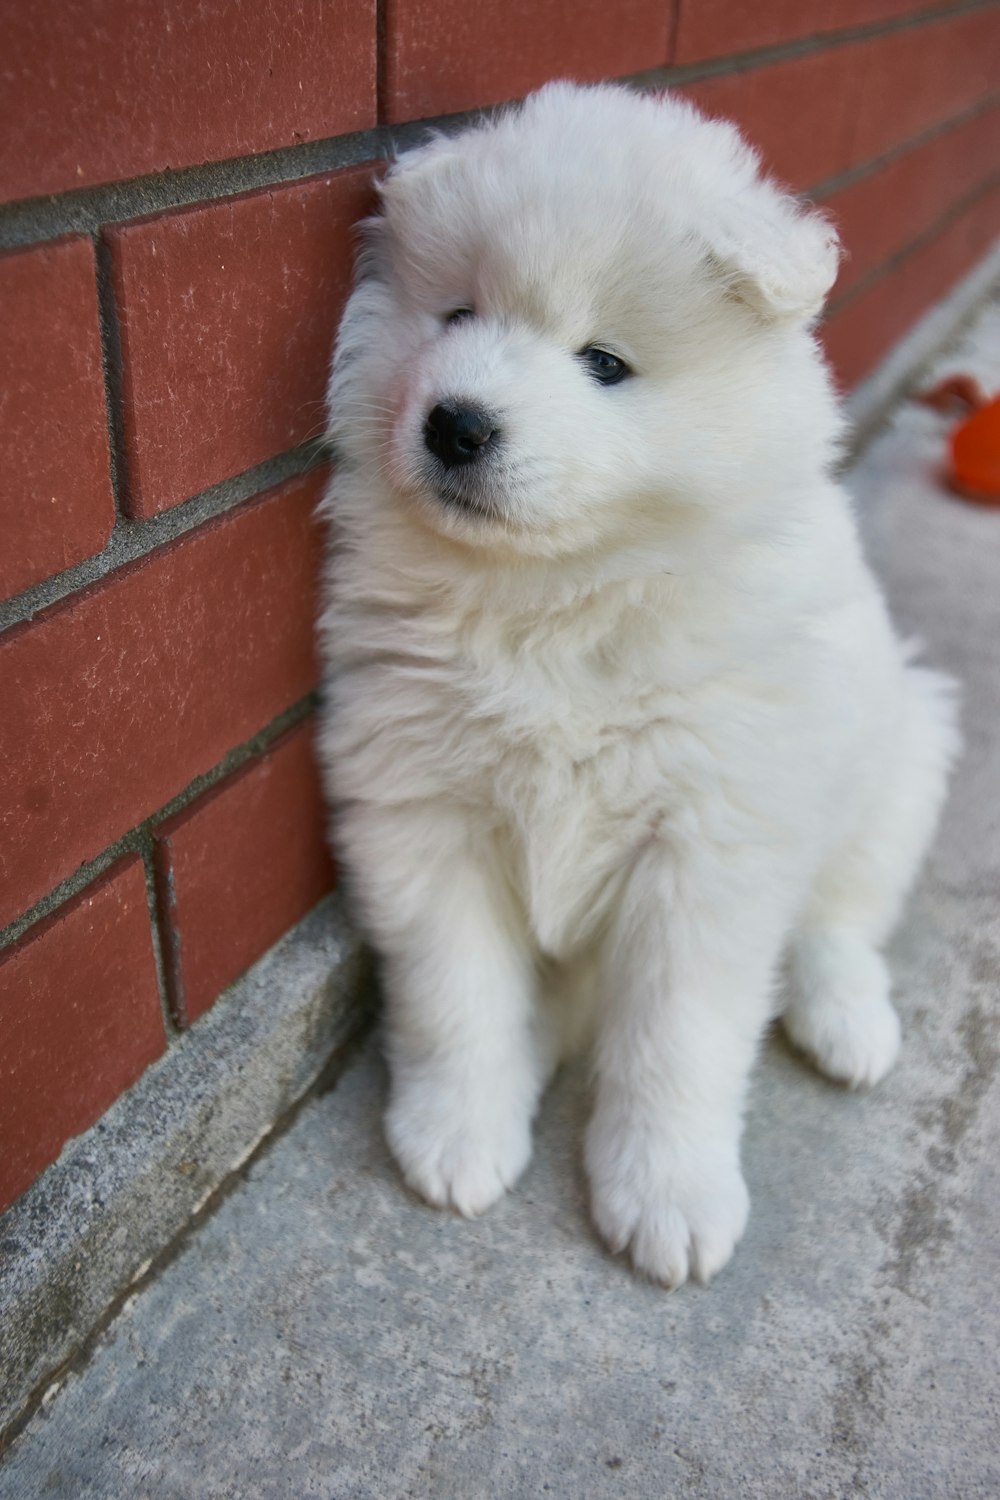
[{"x": 843, "y": 1019}]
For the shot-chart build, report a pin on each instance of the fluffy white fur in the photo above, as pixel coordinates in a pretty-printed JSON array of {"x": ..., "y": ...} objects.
[{"x": 613, "y": 736}]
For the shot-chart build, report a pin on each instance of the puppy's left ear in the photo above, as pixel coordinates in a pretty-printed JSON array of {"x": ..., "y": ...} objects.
[{"x": 776, "y": 253}]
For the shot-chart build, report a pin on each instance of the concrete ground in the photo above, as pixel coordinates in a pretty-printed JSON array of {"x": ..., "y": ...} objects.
[{"x": 325, "y": 1334}]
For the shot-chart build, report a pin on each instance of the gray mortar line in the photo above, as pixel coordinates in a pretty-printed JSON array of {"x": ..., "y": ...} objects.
[
  {"x": 163, "y": 932},
  {"x": 165, "y": 898},
  {"x": 83, "y": 211},
  {"x": 130, "y": 541},
  {"x": 111, "y": 363},
  {"x": 136, "y": 839},
  {"x": 87, "y": 210},
  {"x": 380, "y": 60},
  {"x": 679, "y": 74},
  {"x": 840, "y": 180},
  {"x": 899, "y": 257}
]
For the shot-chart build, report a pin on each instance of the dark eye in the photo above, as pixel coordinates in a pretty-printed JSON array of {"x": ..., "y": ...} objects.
[
  {"x": 458, "y": 315},
  {"x": 605, "y": 367}
]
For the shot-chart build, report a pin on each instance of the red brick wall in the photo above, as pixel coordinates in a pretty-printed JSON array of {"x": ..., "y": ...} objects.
[{"x": 177, "y": 184}]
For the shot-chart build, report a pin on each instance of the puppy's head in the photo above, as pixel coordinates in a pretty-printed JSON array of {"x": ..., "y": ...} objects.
[{"x": 581, "y": 319}]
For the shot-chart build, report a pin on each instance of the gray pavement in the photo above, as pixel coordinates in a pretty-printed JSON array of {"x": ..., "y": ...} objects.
[{"x": 325, "y": 1334}]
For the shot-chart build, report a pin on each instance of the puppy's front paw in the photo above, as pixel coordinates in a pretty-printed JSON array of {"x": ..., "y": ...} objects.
[
  {"x": 680, "y": 1213},
  {"x": 457, "y": 1148}
]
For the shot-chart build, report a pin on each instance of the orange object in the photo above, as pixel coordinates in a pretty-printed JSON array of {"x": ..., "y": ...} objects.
[
  {"x": 975, "y": 443},
  {"x": 975, "y": 455}
]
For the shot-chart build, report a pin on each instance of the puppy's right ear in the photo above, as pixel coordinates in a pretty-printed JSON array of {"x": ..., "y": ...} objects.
[{"x": 777, "y": 254}]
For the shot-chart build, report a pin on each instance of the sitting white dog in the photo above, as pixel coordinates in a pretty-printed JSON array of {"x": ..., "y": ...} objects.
[{"x": 616, "y": 716}]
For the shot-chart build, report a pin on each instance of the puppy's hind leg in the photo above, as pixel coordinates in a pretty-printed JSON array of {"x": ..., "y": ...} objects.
[
  {"x": 841, "y": 1016},
  {"x": 840, "y": 1013},
  {"x": 463, "y": 1045}
]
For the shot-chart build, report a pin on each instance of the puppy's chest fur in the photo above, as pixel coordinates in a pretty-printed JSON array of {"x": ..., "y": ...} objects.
[{"x": 570, "y": 737}]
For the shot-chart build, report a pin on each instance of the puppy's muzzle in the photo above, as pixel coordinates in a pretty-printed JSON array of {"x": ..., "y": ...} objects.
[{"x": 459, "y": 434}]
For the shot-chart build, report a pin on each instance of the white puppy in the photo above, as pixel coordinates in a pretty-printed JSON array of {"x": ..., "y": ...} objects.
[{"x": 616, "y": 716}]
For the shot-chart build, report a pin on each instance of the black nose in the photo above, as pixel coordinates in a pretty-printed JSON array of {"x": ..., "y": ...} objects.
[{"x": 458, "y": 434}]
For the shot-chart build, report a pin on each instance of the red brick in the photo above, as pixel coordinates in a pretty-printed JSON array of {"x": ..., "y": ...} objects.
[
  {"x": 227, "y": 315},
  {"x": 117, "y": 698},
  {"x": 80, "y": 1017},
  {"x": 239, "y": 867},
  {"x": 718, "y": 28},
  {"x": 56, "y": 505},
  {"x": 922, "y": 77},
  {"x": 108, "y": 89},
  {"x": 442, "y": 56},
  {"x": 859, "y": 334},
  {"x": 881, "y": 213},
  {"x": 815, "y": 116}
]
